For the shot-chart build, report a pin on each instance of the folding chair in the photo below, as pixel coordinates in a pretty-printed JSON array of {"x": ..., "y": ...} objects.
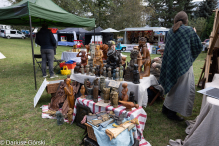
[
  {"x": 37, "y": 57},
  {"x": 58, "y": 61},
  {"x": 157, "y": 92}
]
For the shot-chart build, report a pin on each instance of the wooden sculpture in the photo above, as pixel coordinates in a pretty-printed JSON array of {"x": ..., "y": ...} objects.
[
  {"x": 124, "y": 92},
  {"x": 82, "y": 69},
  {"x": 134, "y": 55},
  {"x": 129, "y": 105},
  {"x": 82, "y": 91},
  {"x": 114, "y": 132},
  {"x": 114, "y": 99},
  {"x": 93, "y": 71},
  {"x": 114, "y": 59},
  {"x": 95, "y": 90},
  {"x": 109, "y": 73},
  {"x": 77, "y": 68},
  {"x": 69, "y": 92},
  {"x": 121, "y": 70},
  {"x": 127, "y": 76},
  {"x": 106, "y": 92},
  {"x": 88, "y": 88},
  {"x": 104, "y": 71},
  {"x": 87, "y": 69},
  {"x": 84, "y": 57},
  {"x": 102, "y": 85},
  {"x": 117, "y": 74},
  {"x": 104, "y": 48},
  {"x": 98, "y": 57},
  {"x": 97, "y": 71},
  {"x": 136, "y": 75},
  {"x": 146, "y": 59},
  {"x": 70, "y": 115},
  {"x": 131, "y": 96},
  {"x": 88, "y": 48},
  {"x": 114, "y": 74}
]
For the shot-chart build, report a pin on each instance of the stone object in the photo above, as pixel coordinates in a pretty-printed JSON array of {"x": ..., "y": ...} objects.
[
  {"x": 97, "y": 71},
  {"x": 114, "y": 74},
  {"x": 129, "y": 105},
  {"x": 121, "y": 73},
  {"x": 134, "y": 55},
  {"x": 95, "y": 90},
  {"x": 104, "y": 71},
  {"x": 97, "y": 60},
  {"x": 91, "y": 67},
  {"x": 84, "y": 57},
  {"x": 82, "y": 69},
  {"x": 69, "y": 93},
  {"x": 127, "y": 76},
  {"x": 88, "y": 89},
  {"x": 102, "y": 85},
  {"x": 93, "y": 71},
  {"x": 114, "y": 99},
  {"x": 87, "y": 69},
  {"x": 114, "y": 58},
  {"x": 136, "y": 75},
  {"x": 77, "y": 68},
  {"x": 60, "y": 118},
  {"x": 109, "y": 73},
  {"x": 106, "y": 92},
  {"x": 82, "y": 91},
  {"x": 70, "y": 115},
  {"x": 124, "y": 92},
  {"x": 131, "y": 96},
  {"x": 117, "y": 74}
]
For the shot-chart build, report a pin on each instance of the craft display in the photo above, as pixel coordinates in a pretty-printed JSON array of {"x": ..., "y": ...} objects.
[
  {"x": 88, "y": 89},
  {"x": 97, "y": 60},
  {"x": 97, "y": 71},
  {"x": 106, "y": 92},
  {"x": 82, "y": 91},
  {"x": 102, "y": 85},
  {"x": 77, "y": 68},
  {"x": 104, "y": 71},
  {"x": 114, "y": 74},
  {"x": 146, "y": 59},
  {"x": 124, "y": 92},
  {"x": 84, "y": 57},
  {"x": 136, "y": 75},
  {"x": 87, "y": 69},
  {"x": 109, "y": 73},
  {"x": 117, "y": 74},
  {"x": 114, "y": 99},
  {"x": 65, "y": 70},
  {"x": 60, "y": 118},
  {"x": 114, "y": 59},
  {"x": 82, "y": 69},
  {"x": 69, "y": 92},
  {"x": 91, "y": 68},
  {"x": 134, "y": 55},
  {"x": 76, "y": 86},
  {"x": 127, "y": 76},
  {"x": 131, "y": 96},
  {"x": 70, "y": 115},
  {"x": 121, "y": 73},
  {"x": 104, "y": 48},
  {"x": 95, "y": 90},
  {"x": 129, "y": 105}
]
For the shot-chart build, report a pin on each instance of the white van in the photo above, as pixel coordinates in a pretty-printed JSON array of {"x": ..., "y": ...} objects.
[
  {"x": 2, "y": 33},
  {"x": 12, "y": 34}
]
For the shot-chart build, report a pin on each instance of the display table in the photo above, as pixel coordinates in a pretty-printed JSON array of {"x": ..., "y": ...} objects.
[
  {"x": 139, "y": 113},
  {"x": 66, "y": 56},
  {"x": 205, "y": 129},
  {"x": 140, "y": 90}
]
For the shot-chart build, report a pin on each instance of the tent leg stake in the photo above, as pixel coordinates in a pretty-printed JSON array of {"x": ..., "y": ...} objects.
[{"x": 31, "y": 36}]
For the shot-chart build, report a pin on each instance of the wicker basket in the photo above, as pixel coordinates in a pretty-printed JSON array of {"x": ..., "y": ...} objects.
[
  {"x": 52, "y": 88},
  {"x": 90, "y": 132}
]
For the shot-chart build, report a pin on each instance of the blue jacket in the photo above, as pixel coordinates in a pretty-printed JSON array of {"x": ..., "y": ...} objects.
[{"x": 45, "y": 39}]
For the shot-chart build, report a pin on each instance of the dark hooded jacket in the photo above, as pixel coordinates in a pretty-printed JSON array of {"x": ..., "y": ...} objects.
[{"x": 45, "y": 39}]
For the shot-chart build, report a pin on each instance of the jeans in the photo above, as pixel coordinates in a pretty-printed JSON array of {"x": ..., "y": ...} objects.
[{"x": 47, "y": 54}]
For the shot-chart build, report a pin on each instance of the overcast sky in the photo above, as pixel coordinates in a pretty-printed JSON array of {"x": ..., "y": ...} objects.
[{"x": 4, "y": 3}]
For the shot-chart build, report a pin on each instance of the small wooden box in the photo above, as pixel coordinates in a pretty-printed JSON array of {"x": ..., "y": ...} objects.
[
  {"x": 52, "y": 88},
  {"x": 90, "y": 132}
]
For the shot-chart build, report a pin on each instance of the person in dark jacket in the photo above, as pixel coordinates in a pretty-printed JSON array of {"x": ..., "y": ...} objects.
[{"x": 47, "y": 43}]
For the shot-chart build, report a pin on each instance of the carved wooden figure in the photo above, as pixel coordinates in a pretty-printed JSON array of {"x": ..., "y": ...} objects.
[
  {"x": 124, "y": 92},
  {"x": 104, "y": 71},
  {"x": 106, "y": 95},
  {"x": 98, "y": 57},
  {"x": 84, "y": 57},
  {"x": 109, "y": 73},
  {"x": 87, "y": 69},
  {"x": 77, "y": 68},
  {"x": 131, "y": 96},
  {"x": 69, "y": 92},
  {"x": 95, "y": 90},
  {"x": 129, "y": 105},
  {"x": 136, "y": 75},
  {"x": 121, "y": 73},
  {"x": 88, "y": 89},
  {"x": 115, "y": 99},
  {"x": 104, "y": 48},
  {"x": 102, "y": 85},
  {"x": 70, "y": 115},
  {"x": 114, "y": 74},
  {"x": 82, "y": 91},
  {"x": 117, "y": 74},
  {"x": 82, "y": 69},
  {"x": 97, "y": 71},
  {"x": 93, "y": 71},
  {"x": 127, "y": 76}
]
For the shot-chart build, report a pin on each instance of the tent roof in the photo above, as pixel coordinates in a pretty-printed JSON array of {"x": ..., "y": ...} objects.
[
  {"x": 41, "y": 11},
  {"x": 146, "y": 28},
  {"x": 109, "y": 30},
  {"x": 98, "y": 29},
  {"x": 70, "y": 30}
]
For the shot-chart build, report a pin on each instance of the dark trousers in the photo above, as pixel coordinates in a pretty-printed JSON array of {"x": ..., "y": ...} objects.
[{"x": 47, "y": 54}]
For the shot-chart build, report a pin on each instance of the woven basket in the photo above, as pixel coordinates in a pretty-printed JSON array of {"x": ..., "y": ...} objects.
[
  {"x": 52, "y": 88},
  {"x": 90, "y": 132},
  {"x": 65, "y": 70}
]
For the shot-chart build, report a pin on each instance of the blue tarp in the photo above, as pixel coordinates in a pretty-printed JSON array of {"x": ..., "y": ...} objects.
[{"x": 66, "y": 43}]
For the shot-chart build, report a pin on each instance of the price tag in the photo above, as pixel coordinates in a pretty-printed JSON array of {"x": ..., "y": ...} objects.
[{"x": 114, "y": 84}]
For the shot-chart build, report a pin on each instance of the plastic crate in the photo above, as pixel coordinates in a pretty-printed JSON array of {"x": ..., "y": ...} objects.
[{"x": 70, "y": 66}]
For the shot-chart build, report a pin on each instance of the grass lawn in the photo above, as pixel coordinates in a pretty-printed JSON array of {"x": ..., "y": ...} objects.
[{"x": 20, "y": 121}]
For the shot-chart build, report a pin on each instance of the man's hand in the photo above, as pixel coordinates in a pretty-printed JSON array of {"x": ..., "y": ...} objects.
[
  {"x": 154, "y": 65},
  {"x": 194, "y": 29},
  {"x": 156, "y": 59}
]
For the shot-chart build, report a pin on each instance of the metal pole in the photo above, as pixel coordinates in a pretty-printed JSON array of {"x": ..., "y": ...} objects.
[
  {"x": 94, "y": 35},
  {"x": 31, "y": 37}
]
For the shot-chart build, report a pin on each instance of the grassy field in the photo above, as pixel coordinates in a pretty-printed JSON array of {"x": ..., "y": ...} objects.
[{"x": 20, "y": 121}]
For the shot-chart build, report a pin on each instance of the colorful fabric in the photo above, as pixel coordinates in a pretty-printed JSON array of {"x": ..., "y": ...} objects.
[
  {"x": 139, "y": 113},
  {"x": 181, "y": 50}
]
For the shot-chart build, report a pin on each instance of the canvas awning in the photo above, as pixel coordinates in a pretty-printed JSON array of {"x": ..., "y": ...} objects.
[
  {"x": 110, "y": 30},
  {"x": 41, "y": 11}
]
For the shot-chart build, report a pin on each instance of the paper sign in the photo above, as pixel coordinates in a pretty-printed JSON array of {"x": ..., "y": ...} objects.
[
  {"x": 114, "y": 84},
  {"x": 40, "y": 92},
  {"x": 2, "y": 56}
]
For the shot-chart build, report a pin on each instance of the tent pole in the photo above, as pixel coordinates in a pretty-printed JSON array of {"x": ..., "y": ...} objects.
[
  {"x": 31, "y": 36},
  {"x": 94, "y": 34}
]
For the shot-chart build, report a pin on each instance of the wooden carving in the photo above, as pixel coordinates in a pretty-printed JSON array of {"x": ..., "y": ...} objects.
[
  {"x": 104, "y": 48},
  {"x": 98, "y": 57},
  {"x": 129, "y": 105},
  {"x": 70, "y": 115},
  {"x": 124, "y": 92},
  {"x": 95, "y": 90},
  {"x": 84, "y": 57},
  {"x": 82, "y": 91},
  {"x": 106, "y": 92},
  {"x": 69, "y": 92}
]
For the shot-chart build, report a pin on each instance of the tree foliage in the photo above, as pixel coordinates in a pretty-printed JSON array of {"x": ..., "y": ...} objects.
[
  {"x": 206, "y": 8},
  {"x": 199, "y": 23},
  {"x": 208, "y": 28}
]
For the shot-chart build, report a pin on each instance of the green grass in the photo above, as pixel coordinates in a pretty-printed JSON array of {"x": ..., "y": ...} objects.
[{"x": 19, "y": 120}]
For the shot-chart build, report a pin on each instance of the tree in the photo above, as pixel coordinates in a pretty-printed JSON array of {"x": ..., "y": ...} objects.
[
  {"x": 206, "y": 8},
  {"x": 199, "y": 23},
  {"x": 208, "y": 28}
]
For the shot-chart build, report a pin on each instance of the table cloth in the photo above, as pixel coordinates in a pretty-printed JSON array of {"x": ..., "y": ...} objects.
[
  {"x": 139, "y": 113},
  {"x": 140, "y": 90},
  {"x": 66, "y": 56}
]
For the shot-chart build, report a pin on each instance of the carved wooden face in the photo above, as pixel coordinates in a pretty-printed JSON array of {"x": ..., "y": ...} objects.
[{"x": 68, "y": 81}]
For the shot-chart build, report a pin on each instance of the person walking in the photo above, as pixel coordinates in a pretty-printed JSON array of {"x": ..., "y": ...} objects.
[
  {"x": 183, "y": 46},
  {"x": 47, "y": 43}
]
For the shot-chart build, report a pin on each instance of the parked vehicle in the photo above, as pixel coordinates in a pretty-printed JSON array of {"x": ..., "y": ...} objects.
[
  {"x": 120, "y": 47},
  {"x": 2, "y": 33},
  {"x": 205, "y": 44},
  {"x": 13, "y": 34}
]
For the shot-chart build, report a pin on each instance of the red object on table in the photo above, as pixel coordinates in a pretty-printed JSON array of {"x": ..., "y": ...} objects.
[{"x": 70, "y": 66}]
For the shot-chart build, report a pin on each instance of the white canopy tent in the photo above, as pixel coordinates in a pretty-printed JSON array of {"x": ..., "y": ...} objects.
[{"x": 109, "y": 30}]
